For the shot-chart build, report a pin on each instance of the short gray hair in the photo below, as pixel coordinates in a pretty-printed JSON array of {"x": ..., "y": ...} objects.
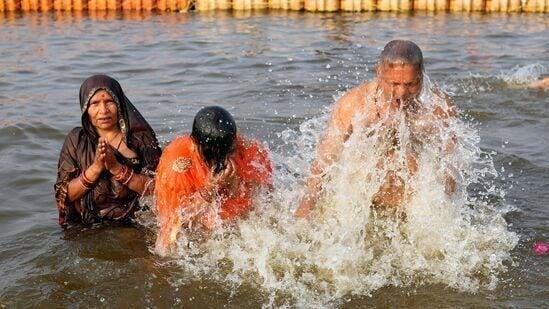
[{"x": 399, "y": 52}]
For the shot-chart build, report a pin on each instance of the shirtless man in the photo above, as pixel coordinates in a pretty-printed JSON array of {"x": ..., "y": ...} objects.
[{"x": 396, "y": 89}]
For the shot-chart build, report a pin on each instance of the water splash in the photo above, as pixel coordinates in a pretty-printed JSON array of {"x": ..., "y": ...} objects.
[
  {"x": 458, "y": 239},
  {"x": 516, "y": 77},
  {"x": 523, "y": 74}
]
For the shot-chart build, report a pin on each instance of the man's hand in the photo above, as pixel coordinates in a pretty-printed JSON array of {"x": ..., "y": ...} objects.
[{"x": 307, "y": 204}]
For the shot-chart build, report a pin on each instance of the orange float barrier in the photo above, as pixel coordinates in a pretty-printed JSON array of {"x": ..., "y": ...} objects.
[{"x": 511, "y": 6}]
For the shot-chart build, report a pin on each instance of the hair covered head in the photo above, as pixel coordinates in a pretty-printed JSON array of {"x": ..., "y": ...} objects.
[
  {"x": 401, "y": 52},
  {"x": 214, "y": 129}
]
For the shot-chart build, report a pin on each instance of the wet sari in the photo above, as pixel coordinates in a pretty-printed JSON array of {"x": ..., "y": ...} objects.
[
  {"x": 182, "y": 175},
  {"x": 108, "y": 199}
]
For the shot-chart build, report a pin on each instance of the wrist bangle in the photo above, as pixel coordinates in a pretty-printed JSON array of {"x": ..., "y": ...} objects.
[
  {"x": 120, "y": 175},
  {"x": 129, "y": 177},
  {"x": 125, "y": 175},
  {"x": 84, "y": 181}
]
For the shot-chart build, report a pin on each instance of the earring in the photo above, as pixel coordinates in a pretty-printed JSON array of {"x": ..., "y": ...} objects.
[{"x": 122, "y": 125}]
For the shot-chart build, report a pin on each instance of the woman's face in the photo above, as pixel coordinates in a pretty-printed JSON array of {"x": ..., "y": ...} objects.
[{"x": 102, "y": 111}]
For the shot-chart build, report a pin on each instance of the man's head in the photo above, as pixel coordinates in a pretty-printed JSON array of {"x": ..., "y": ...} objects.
[
  {"x": 214, "y": 130},
  {"x": 400, "y": 71}
]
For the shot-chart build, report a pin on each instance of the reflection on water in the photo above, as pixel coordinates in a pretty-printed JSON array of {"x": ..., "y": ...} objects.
[{"x": 273, "y": 71}]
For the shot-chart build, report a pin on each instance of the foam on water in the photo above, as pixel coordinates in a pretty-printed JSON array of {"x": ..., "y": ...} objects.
[{"x": 459, "y": 240}]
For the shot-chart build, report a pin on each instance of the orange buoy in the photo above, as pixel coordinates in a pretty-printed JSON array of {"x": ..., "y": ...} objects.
[
  {"x": 114, "y": 5},
  {"x": 332, "y": 5},
  {"x": 80, "y": 5},
  {"x": 477, "y": 5},
  {"x": 240, "y": 5},
  {"x": 297, "y": 5},
  {"x": 259, "y": 4},
  {"x": 222, "y": 4},
  {"x": 101, "y": 5},
  {"x": 13, "y": 5},
  {"x": 57, "y": 5},
  {"x": 45, "y": 5},
  {"x": 92, "y": 5},
  {"x": 66, "y": 5},
  {"x": 275, "y": 4},
  {"x": 161, "y": 5},
  {"x": 351, "y": 5},
  {"x": 369, "y": 5},
  {"x": 310, "y": 5},
  {"x": 405, "y": 5},
  {"x": 384, "y": 5},
  {"x": 458, "y": 5},
  {"x": 34, "y": 5},
  {"x": 25, "y": 5},
  {"x": 136, "y": 5},
  {"x": 147, "y": 5},
  {"x": 202, "y": 5},
  {"x": 538, "y": 6},
  {"x": 495, "y": 5}
]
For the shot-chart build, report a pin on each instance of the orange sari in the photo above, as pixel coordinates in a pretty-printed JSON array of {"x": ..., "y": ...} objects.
[{"x": 182, "y": 174}]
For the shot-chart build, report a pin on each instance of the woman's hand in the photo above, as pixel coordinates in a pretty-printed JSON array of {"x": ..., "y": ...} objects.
[
  {"x": 109, "y": 161},
  {"x": 98, "y": 164},
  {"x": 227, "y": 177}
]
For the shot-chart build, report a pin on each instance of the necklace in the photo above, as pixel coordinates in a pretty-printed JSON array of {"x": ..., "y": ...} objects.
[{"x": 120, "y": 142}]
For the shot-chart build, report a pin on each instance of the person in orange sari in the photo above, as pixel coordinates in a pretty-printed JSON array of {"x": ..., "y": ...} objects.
[{"x": 207, "y": 177}]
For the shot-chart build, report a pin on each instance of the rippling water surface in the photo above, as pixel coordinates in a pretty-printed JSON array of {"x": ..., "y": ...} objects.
[{"x": 273, "y": 72}]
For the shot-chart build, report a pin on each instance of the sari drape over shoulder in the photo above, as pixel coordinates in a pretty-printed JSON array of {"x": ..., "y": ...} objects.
[{"x": 108, "y": 199}]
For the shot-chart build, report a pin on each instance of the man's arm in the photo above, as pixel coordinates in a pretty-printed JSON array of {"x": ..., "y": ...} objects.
[{"x": 330, "y": 146}]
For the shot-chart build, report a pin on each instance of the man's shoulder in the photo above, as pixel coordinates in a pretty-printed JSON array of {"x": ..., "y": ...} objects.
[{"x": 355, "y": 96}]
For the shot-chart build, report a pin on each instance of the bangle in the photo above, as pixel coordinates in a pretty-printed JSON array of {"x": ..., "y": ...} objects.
[
  {"x": 125, "y": 175},
  {"x": 120, "y": 176},
  {"x": 84, "y": 181},
  {"x": 129, "y": 177}
]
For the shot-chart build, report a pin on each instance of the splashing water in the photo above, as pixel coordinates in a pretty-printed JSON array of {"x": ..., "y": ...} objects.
[
  {"x": 523, "y": 75},
  {"x": 517, "y": 77},
  {"x": 346, "y": 248}
]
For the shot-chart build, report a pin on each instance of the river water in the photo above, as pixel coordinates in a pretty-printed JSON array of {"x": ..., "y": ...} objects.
[{"x": 274, "y": 71}]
